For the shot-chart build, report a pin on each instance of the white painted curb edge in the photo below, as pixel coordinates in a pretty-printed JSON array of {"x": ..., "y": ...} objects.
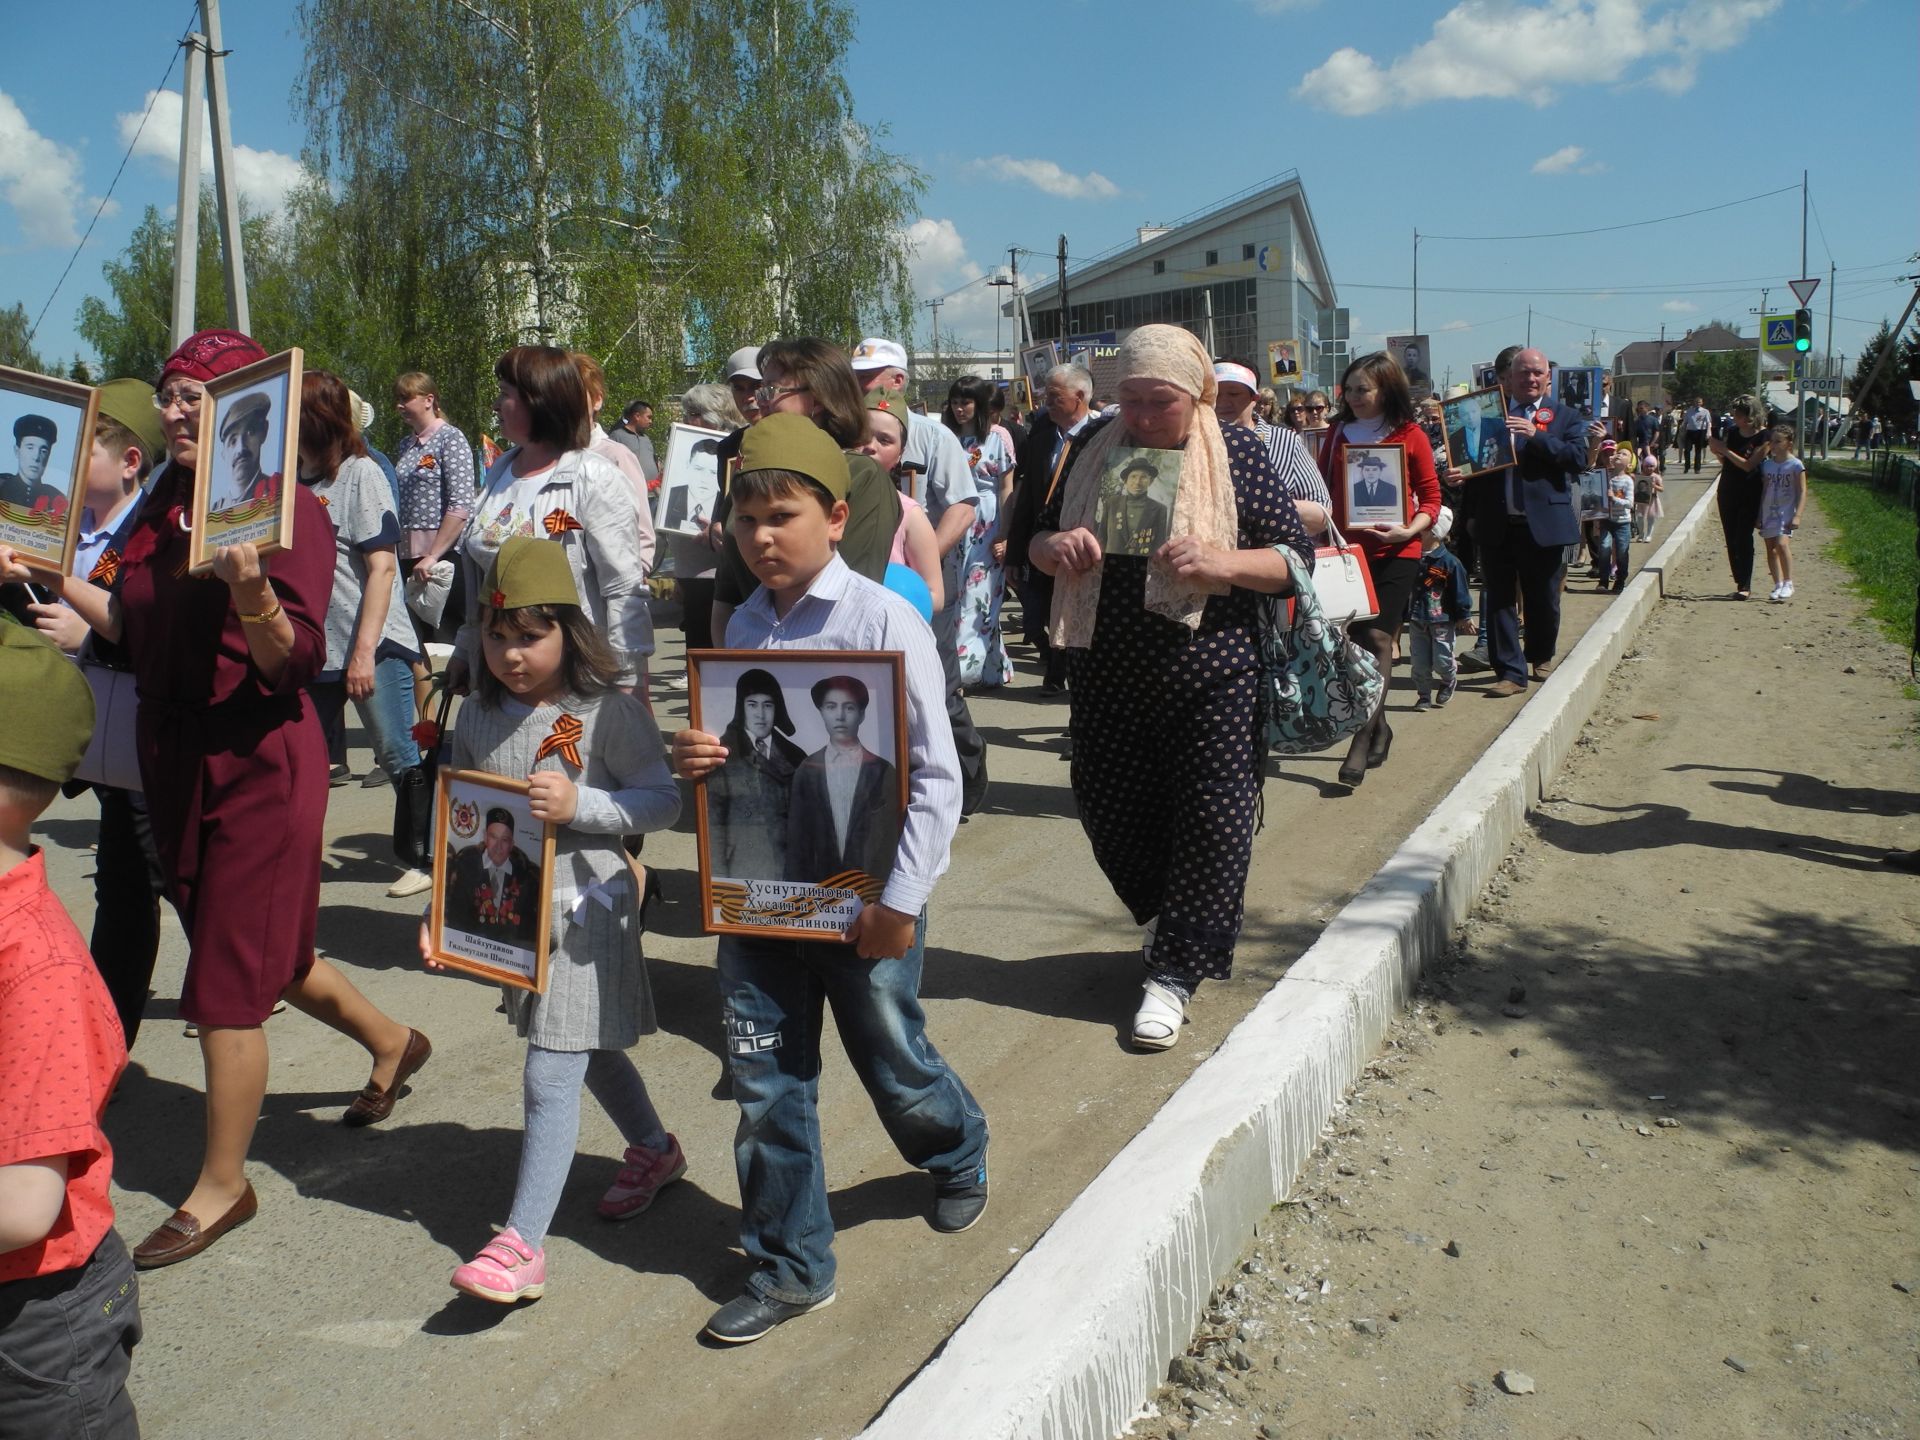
[{"x": 1081, "y": 1329}]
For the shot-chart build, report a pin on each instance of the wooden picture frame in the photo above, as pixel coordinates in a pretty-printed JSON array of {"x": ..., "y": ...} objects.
[
  {"x": 499, "y": 932},
  {"x": 238, "y": 498},
  {"x": 1036, "y": 362},
  {"x": 47, "y": 423},
  {"x": 774, "y": 859},
  {"x": 1373, "y": 484},
  {"x": 1475, "y": 426}
]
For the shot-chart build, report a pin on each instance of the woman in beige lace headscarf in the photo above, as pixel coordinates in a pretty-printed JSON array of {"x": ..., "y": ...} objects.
[{"x": 1167, "y": 753}]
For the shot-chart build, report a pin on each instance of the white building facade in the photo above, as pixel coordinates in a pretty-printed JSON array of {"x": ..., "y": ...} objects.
[{"x": 1240, "y": 274}]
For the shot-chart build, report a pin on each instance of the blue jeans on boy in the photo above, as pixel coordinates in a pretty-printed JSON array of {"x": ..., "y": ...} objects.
[
  {"x": 1611, "y": 552},
  {"x": 1433, "y": 659},
  {"x": 774, "y": 993}
]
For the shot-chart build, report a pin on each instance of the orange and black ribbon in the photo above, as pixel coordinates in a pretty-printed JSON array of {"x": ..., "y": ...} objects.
[
  {"x": 106, "y": 569},
  {"x": 564, "y": 741},
  {"x": 558, "y": 522}
]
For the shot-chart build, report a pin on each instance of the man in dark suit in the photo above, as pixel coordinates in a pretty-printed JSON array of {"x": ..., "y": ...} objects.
[
  {"x": 844, "y": 810},
  {"x": 1524, "y": 520},
  {"x": 494, "y": 889},
  {"x": 1063, "y": 427}
]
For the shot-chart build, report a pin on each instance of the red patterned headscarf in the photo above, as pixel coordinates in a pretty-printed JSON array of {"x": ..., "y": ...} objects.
[{"x": 210, "y": 353}]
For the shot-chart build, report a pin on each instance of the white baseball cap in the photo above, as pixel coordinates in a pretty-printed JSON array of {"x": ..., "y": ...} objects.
[
  {"x": 877, "y": 353},
  {"x": 744, "y": 361},
  {"x": 1225, "y": 372}
]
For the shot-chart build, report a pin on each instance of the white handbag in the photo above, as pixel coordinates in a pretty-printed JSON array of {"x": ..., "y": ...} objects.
[
  {"x": 113, "y": 757},
  {"x": 1343, "y": 582}
]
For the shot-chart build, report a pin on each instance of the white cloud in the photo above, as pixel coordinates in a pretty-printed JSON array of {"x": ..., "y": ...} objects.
[
  {"x": 941, "y": 264},
  {"x": 1455, "y": 325},
  {"x": 1501, "y": 50},
  {"x": 39, "y": 178},
  {"x": 1559, "y": 162},
  {"x": 1679, "y": 307},
  {"x": 263, "y": 177},
  {"x": 1046, "y": 176}
]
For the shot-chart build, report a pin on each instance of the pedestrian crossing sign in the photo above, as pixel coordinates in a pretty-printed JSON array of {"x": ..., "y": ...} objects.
[{"x": 1779, "y": 332}]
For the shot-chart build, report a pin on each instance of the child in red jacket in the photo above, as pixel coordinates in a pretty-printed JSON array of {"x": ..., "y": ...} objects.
[{"x": 69, "y": 1302}]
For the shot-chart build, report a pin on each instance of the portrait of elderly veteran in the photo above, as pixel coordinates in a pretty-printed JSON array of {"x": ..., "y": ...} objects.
[
  {"x": 25, "y": 485},
  {"x": 1373, "y": 489},
  {"x": 1131, "y": 521},
  {"x": 1524, "y": 519},
  {"x": 845, "y": 809},
  {"x": 493, "y": 889},
  {"x": 748, "y": 796},
  {"x": 243, "y": 476}
]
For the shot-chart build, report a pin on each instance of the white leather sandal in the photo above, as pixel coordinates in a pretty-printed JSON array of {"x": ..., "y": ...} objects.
[{"x": 1156, "y": 1024}]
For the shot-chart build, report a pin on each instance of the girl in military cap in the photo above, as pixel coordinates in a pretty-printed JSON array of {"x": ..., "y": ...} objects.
[{"x": 548, "y": 707}]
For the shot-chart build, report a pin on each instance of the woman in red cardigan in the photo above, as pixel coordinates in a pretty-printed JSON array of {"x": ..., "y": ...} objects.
[{"x": 1376, "y": 408}]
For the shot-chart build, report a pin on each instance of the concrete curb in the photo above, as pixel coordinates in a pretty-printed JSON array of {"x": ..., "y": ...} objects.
[{"x": 1082, "y": 1328}]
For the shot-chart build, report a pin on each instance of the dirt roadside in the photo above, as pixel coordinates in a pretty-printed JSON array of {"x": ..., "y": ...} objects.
[{"x": 1649, "y": 1143}]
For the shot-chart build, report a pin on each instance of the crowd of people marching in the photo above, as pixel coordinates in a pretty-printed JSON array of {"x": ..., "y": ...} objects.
[{"x": 851, "y": 521}]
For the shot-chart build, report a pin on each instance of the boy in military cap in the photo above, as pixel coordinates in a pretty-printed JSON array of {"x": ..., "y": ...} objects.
[
  {"x": 69, "y": 1302},
  {"x": 790, "y": 510}
]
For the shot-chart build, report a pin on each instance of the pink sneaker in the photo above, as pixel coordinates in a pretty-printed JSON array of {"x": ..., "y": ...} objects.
[
  {"x": 505, "y": 1270},
  {"x": 643, "y": 1175}
]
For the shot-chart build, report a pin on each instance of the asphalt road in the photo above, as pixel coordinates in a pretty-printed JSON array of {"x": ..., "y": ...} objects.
[{"x": 330, "y": 1315}]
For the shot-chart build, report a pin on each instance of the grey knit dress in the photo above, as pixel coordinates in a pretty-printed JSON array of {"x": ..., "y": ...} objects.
[{"x": 597, "y": 993}]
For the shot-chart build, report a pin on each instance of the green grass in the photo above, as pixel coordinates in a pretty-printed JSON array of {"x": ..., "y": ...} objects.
[{"x": 1874, "y": 538}]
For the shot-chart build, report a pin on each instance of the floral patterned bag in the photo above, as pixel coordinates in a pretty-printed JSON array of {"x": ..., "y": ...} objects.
[{"x": 1316, "y": 686}]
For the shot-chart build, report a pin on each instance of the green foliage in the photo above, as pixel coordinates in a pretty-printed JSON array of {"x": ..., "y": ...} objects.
[
  {"x": 15, "y": 348},
  {"x": 132, "y": 335},
  {"x": 1890, "y": 398},
  {"x": 1718, "y": 377},
  {"x": 1874, "y": 540}
]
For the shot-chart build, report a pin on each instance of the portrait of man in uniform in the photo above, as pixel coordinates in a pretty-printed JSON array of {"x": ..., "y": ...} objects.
[
  {"x": 494, "y": 889},
  {"x": 26, "y": 484},
  {"x": 239, "y": 473},
  {"x": 1129, "y": 521}
]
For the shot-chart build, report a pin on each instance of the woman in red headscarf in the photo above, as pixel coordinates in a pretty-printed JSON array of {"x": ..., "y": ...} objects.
[{"x": 236, "y": 781}]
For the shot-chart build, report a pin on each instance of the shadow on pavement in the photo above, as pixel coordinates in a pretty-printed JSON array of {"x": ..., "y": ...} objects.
[
  {"x": 1650, "y": 827},
  {"x": 1806, "y": 792},
  {"x": 1800, "y": 1027}
]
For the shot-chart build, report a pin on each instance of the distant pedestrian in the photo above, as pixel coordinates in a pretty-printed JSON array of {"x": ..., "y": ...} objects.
[
  {"x": 1695, "y": 429},
  {"x": 1647, "y": 487},
  {"x": 631, "y": 432},
  {"x": 1740, "y": 454}
]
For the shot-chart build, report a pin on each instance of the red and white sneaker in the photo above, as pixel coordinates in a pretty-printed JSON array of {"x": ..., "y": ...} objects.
[
  {"x": 506, "y": 1269},
  {"x": 643, "y": 1175}
]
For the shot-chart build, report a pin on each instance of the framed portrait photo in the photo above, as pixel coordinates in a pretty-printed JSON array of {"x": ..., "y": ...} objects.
[
  {"x": 1592, "y": 501},
  {"x": 1373, "y": 483},
  {"x": 248, "y": 460},
  {"x": 1579, "y": 387},
  {"x": 689, "y": 481},
  {"x": 1134, "y": 514},
  {"x": 492, "y": 881},
  {"x": 48, "y": 424},
  {"x": 799, "y": 828},
  {"x": 1020, "y": 394},
  {"x": 1477, "y": 436},
  {"x": 1036, "y": 361}
]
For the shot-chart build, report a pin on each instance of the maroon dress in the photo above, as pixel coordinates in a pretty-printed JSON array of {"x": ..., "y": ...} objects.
[{"x": 235, "y": 770}]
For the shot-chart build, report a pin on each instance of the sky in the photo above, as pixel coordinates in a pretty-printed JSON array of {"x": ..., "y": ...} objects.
[{"x": 1498, "y": 119}]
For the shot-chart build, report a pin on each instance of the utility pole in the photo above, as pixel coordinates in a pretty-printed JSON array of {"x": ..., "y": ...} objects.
[
  {"x": 206, "y": 78},
  {"x": 1207, "y": 296},
  {"x": 934, "y": 306},
  {"x": 1760, "y": 351},
  {"x": 1066, "y": 331},
  {"x": 1803, "y": 223},
  {"x": 1826, "y": 363},
  {"x": 1022, "y": 329},
  {"x": 1529, "y": 327},
  {"x": 1416, "y": 283}
]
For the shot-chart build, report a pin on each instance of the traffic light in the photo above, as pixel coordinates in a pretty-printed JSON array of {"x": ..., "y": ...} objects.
[{"x": 1803, "y": 331}]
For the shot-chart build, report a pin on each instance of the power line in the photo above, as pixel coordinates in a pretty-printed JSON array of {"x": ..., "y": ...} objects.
[
  {"x": 152, "y": 99},
  {"x": 1629, "y": 225}
]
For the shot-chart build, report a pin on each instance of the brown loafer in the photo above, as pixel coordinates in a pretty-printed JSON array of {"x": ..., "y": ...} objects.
[
  {"x": 1503, "y": 689},
  {"x": 374, "y": 1104},
  {"x": 1543, "y": 670},
  {"x": 180, "y": 1236}
]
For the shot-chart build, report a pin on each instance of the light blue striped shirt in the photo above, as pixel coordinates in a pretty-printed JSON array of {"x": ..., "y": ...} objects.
[{"x": 845, "y": 611}]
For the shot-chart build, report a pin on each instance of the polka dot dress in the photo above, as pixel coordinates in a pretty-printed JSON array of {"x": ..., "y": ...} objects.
[{"x": 1167, "y": 756}]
